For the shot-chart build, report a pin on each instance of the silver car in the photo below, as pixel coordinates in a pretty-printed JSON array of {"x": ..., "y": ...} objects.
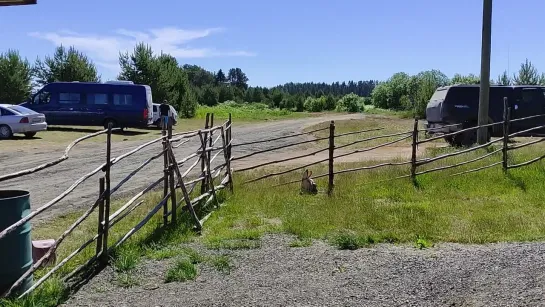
[{"x": 18, "y": 119}]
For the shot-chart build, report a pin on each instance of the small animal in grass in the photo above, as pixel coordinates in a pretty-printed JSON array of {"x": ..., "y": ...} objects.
[{"x": 308, "y": 186}]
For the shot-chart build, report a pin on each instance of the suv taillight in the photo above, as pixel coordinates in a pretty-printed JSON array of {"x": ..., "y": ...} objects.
[
  {"x": 24, "y": 120},
  {"x": 146, "y": 114}
]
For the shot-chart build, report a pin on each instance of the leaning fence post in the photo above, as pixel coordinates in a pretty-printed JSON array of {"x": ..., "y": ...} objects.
[
  {"x": 331, "y": 159},
  {"x": 203, "y": 157},
  {"x": 165, "y": 121},
  {"x": 506, "y": 119},
  {"x": 171, "y": 174},
  {"x": 414, "y": 147},
  {"x": 229, "y": 147},
  {"x": 100, "y": 231},
  {"x": 107, "y": 195}
]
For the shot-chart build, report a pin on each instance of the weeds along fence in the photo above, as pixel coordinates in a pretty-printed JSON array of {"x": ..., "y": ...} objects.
[
  {"x": 415, "y": 162},
  {"x": 213, "y": 141}
]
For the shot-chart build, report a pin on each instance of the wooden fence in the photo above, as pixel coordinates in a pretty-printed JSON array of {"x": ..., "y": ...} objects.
[
  {"x": 414, "y": 162},
  {"x": 214, "y": 140}
]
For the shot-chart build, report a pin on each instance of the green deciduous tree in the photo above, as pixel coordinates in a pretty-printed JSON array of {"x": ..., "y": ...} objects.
[
  {"x": 330, "y": 103},
  {"x": 225, "y": 93},
  {"x": 209, "y": 96},
  {"x": 469, "y": 79},
  {"x": 314, "y": 104},
  {"x": 65, "y": 65},
  {"x": 163, "y": 74},
  {"x": 15, "y": 78},
  {"x": 350, "y": 103}
]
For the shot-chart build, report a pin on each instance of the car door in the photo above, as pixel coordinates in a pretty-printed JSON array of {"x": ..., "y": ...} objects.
[
  {"x": 528, "y": 101},
  {"x": 7, "y": 117}
]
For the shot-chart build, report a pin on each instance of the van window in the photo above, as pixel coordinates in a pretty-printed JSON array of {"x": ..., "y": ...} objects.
[
  {"x": 122, "y": 99},
  {"x": 69, "y": 98},
  {"x": 531, "y": 96},
  {"x": 42, "y": 98},
  {"x": 97, "y": 99}
]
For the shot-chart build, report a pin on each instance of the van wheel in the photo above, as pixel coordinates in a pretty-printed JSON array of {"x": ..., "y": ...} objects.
[
  {"x": 5, "y": 132},
  {"x": 108, "y": 122}
]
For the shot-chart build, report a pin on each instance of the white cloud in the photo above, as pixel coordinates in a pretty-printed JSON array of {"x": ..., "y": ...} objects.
[{"x": 105, "y": 49}]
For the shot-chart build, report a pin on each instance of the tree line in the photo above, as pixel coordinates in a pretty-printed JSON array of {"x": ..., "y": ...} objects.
[{"x": 186, "y": 86}]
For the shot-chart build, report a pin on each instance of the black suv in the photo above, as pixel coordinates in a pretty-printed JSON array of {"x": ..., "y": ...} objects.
[{"x": 459, "y": 104}]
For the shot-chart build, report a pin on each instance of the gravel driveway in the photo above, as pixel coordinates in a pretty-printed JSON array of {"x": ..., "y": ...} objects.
[
  {"x": 85, "y": 157},
  {"x": 384, "y": 275}
]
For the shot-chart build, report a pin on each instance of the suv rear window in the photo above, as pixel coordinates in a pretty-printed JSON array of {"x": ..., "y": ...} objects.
[{"x": 439, "y": 94}]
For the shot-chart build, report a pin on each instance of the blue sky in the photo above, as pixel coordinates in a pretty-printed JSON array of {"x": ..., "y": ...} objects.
[{"x": 280, "y": 41}]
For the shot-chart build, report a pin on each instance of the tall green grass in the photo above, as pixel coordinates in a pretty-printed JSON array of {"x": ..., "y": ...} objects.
[
  {"x": 481, "y": 207},
  {"x": 247, "y": 112}
]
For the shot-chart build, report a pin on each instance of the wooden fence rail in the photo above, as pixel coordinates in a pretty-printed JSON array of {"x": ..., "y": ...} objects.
[
  {"x": 172, "y": 179},
  {"x": 414, "y": 161}
]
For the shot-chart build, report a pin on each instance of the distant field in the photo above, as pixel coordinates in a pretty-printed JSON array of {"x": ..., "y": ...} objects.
[{"x": 63, "y": 135}]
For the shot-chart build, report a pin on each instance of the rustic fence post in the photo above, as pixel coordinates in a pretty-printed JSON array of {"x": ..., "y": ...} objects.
[
  {"x": 100, "y": 231},
  {"x": 171, "y": 174},
  {"x": 331, "y": 159},
  {"x": 104, "y": 255},
  {"x": 203, "y": 157},
  {"x": 414, "y": 150},
  {"x": 229, "y": 151},
  {"x": 164, "y": 120},
  {"x": 506, "y": 119}
]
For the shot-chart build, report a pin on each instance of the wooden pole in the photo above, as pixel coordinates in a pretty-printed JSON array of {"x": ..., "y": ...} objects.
[
  {"x": 211, "y": 125},
  {"x": 331, "y": 157},
  {"x": 208, "y": 172},
  {"x": 171, "y": 174},
  {"x": 229, "y": 147},
  {"x": 414, "y": 147},
  {"x": 101, "y": 189},
  {"x": 108, "y": 166},
  {"x": 203, "y": 156},
  {"x": 226, "y": 154},
  {"x": 484, "y": 94},
  {"x": 165, "y": 120},
  {"x": 506, "y": 118}
]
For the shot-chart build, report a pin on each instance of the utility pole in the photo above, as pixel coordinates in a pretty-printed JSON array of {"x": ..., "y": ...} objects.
[{"x": 485, "y": 71}]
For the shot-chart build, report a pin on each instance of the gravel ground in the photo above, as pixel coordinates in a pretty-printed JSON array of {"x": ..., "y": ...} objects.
[{"x": 384, "y": 275}]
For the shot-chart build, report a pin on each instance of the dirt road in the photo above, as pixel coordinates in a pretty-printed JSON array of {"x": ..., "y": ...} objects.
[{"x": 85, "y": 157}]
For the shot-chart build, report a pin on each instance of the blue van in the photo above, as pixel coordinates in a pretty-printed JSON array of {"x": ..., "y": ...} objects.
[{"x": 124, "y": 104}]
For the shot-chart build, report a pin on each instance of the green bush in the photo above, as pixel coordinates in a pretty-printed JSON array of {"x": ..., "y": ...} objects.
[
  {"x": 315, "y": 104},
  {"x": 350, "y": 103}
]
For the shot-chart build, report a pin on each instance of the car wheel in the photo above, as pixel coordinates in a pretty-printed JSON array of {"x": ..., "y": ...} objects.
[
  {"x": 5, "y": 132},
  {"x": 108, "y": 122},
  {"x": 30, "y": 134}
]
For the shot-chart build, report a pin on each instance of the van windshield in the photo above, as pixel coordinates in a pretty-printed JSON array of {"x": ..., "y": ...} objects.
[{"x": 439, "y": 94}]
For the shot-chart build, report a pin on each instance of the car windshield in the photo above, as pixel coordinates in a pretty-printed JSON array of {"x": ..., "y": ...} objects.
[{"x": 21, "y": 110}]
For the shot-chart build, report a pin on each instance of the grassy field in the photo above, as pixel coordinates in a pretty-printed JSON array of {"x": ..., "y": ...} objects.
[
  {"x": 250, "y": 112},
  {"x": 389, "y": 125},
  {"x": 481, "y": 207}
]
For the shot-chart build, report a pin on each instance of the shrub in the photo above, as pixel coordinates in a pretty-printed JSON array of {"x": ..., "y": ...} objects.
[
  {"x": 315, "y": 104},
  {"x": 350, "y": 103}
]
